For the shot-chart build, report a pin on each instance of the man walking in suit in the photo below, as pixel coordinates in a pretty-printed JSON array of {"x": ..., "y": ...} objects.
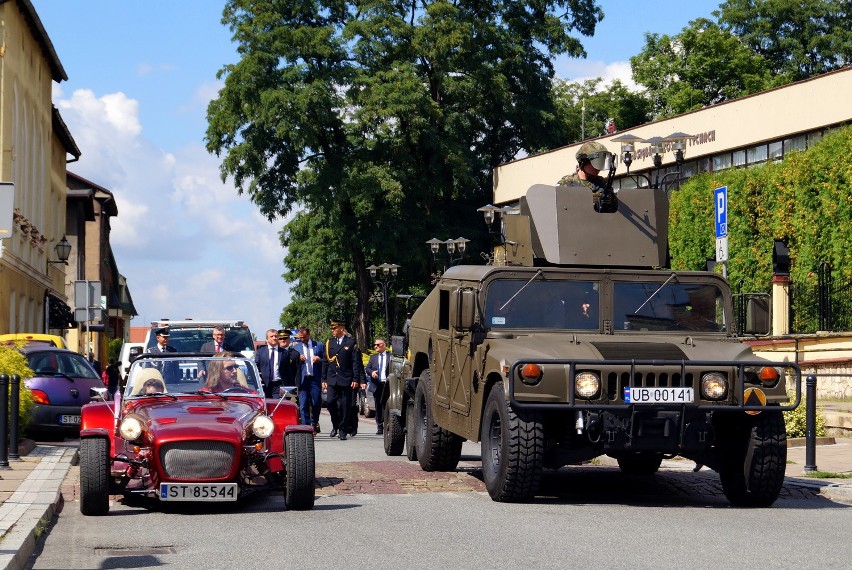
[
  {"x": 377, "y": 372},
  {"x": 341, "y": 374},
  {"x": 268, "y": 360},
  {"x": 311, "y": 355}
]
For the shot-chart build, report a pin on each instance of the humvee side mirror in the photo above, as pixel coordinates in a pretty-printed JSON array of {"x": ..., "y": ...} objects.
[
  {"x": 463, "y": 309},
  {"x": 757, "y": 315}
]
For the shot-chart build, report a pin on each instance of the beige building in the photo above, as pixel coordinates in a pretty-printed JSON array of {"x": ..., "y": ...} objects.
[{"x": 738, "y": 133}]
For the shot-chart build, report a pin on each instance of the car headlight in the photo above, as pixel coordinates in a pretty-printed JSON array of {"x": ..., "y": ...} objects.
[
  {"x": 130, "y": 429},
  {"x": 587, "y": 385},
  {"x": 714, "y": 386},
  {"x": 262, "y": 426}
]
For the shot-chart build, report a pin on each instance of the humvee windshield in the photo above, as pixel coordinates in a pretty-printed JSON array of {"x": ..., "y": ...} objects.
[
  {"x": 539, "y": 304},
  {"x": 675, "y": 306}
]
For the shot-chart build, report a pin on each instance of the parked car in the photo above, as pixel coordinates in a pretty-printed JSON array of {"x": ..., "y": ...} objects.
[
  {"x": 175, "y": 437},
  {"x": 62, "y": 384},
  {"x": 33, "y": 339}
]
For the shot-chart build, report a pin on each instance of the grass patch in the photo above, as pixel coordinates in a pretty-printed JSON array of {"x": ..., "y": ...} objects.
[{"x": 828, "y": 475}]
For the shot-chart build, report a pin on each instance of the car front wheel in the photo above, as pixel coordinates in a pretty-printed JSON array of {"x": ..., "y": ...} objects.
[
  {"x": 301, "y": 471},
  {"x": 94, "y": 476},
  {"x": 394, "y": 433}
]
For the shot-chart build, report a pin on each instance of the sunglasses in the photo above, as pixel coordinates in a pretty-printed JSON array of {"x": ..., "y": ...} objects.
[
  {"x": 379, "y": 344},
  {"x": 231, "y": 368}
]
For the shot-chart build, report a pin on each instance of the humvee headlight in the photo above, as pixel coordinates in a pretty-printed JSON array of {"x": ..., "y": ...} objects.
[
  {"x": 262, "y": 426},
  {"x": 531, "y": 374},
  {"x": 130, "y": 429},
  {"x": 769, "y": 376},
  {"x": 714, "y": 386},
  {"x": 587, "y": 385}
]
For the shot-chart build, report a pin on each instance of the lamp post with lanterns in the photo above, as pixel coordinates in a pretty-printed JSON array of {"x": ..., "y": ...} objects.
[
  {"x": 675, "y": 142},
  {"x": 454, "y": 248},
  {"x": 384, "y": 275}
]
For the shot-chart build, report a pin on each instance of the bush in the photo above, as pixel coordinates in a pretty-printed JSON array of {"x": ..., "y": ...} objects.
[
  {"x": 13, "y": 362},
  {"x": 796, "y": 421}
]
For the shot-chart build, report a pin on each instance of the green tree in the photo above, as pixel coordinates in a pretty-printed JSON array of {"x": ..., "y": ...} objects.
[
  {"x": 602, "y": 101},
  {"x": 798, "y": 38},
  {"x": 12, "y": 361},
  {"x": 702, "y": 65},
  {"x": 382, "y": 120}
]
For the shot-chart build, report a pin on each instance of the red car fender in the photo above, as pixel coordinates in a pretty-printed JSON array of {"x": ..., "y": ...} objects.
[
  {"x": 284, "y": 415},
  {"x": 96, "y": 420}
]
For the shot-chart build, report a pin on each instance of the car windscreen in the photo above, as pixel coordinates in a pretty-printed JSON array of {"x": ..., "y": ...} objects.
[
  {"x": 542, "y": 304},
  {"x": 237, "y": 339},
  {"x": 182, "y": 374},
  {"x": 654, "y": 306},
  {"x": 51, "y": 363}
]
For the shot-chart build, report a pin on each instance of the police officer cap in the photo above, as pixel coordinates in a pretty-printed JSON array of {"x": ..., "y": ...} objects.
[
  {"x": 162, "y": 332},
  {"x": 337, "y": 323}
]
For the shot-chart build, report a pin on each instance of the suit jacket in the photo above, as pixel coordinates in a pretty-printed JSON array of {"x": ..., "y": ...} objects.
[
  {"x": 314, "y": 369},
  {"x": 261, "y": 358},
  {"x": 342, "y": 364},
  {"x": 211, "y": 347},
  {"x": 291, "y": 366},
  {"x": 373, "y": 366},
  {"x": 169, "y": 370}
]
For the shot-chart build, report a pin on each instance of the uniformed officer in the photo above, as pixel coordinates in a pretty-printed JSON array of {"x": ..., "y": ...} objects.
[
  {"x": 169, "y": 370},
  {"x": 342, "y": 371},
  {"x": 591, "y": 159}
]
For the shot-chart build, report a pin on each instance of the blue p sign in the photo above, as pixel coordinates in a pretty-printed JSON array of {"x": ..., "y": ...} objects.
[{"x": 721, "y": 195}]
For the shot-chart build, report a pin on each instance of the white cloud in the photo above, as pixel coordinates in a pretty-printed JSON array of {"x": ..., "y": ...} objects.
[{"x": 579, "y": 70}]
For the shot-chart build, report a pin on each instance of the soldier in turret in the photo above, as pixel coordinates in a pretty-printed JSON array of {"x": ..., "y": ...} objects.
[{"x": 591, "y": 159}]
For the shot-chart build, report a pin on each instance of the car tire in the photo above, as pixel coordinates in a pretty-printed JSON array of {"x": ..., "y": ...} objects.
[
  {"x": 512, "y": 449},
  {"x": 362, "y": 404},
  {"x": 437, "y": 448},
  {"x": 394, "y": 433},
  {"x": 755, "y": 452},
  {"x": 639, "y": 463},
  {"x": 410, "y": 421},
  {"x": 301, "y": 472},
  {"x": 94, "y": 476}
]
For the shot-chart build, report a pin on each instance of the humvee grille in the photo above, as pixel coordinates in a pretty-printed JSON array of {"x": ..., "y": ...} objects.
[{"x": 639, "y": 351}]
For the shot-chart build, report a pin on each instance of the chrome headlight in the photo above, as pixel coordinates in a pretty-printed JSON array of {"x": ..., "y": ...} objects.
[
  {"x": 714, "y": 386},
  {"x": 130, "y": 429},
  {"x": 587, "y": 385},
  {"x": 262, "y": 426}
]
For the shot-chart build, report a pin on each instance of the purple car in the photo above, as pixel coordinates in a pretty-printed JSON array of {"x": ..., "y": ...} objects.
[{"x": 61, "y": 385}]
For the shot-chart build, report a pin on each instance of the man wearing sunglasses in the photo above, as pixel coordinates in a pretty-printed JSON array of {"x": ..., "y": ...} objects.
[{"x": 377, "y": 371}]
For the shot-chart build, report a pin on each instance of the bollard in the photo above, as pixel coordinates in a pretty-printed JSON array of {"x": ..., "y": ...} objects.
[
  {"x": 810, "y": 424},
  {"x": 4, "y": 417},
  {"x": 14, "y": 416}
]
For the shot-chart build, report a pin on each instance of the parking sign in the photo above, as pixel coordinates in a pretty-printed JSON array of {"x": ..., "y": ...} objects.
[{"x": 721, "y": 195}]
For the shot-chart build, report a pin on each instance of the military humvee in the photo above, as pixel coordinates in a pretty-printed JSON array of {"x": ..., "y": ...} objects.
[{"x": 575, "y": 344}]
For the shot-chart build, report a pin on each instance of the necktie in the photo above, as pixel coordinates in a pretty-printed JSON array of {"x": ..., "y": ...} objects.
[
  {"x": 382, "y": 366},
  {"x": 273, "y": 356},
  {"x": 218, "y": 347}
]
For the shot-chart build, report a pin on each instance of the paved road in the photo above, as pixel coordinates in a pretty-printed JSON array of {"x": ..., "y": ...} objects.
[{"x": 372, "y": 510}]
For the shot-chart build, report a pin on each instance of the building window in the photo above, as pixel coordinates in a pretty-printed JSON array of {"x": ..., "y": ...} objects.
[
  {"x": 721, "y": 161},
  {"x": 776, "y": 150},
  {"x": 739, "y": 158},
  {"x": 756, "y": 154},
  {"x": 795, "y": 144},
  {"x": 814, "y": 138}
]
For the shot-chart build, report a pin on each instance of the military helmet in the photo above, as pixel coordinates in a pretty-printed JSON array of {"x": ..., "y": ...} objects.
[{"x": 595, "y": 153}]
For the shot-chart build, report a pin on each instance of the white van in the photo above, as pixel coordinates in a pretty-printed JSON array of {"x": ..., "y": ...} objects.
[{"x": 129, "y": 352}]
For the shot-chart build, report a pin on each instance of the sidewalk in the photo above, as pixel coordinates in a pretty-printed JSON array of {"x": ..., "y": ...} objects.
[{"x": 29, "y": 491}]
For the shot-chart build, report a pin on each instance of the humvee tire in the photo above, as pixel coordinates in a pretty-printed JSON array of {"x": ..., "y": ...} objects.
[
  {"x": 512, "y": 449},
  {"x": 410, "y": 422},
  {"x": 437, "y": 449},
  {"x": 394, "y": 434},
  {"x": 757, "y": 452},
  {"x": 639, "y": 463}
]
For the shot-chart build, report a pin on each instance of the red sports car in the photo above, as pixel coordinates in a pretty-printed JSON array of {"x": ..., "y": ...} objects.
[{"x": 193, "y": 427}]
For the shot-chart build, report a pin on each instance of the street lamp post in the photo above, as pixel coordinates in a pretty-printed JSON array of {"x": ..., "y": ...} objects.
[
  {"x": 658, "y": 145},
  {"x": 384, "y": 275},
  {"x": 455, "y": 249}
]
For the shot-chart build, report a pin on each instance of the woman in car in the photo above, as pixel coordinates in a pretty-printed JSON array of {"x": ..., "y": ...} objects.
[{"x": 222, "y": 374}]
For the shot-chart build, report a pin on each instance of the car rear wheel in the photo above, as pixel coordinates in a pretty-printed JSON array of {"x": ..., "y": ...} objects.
[
  {"x": 756, "y": 453},
  {"x": 639, "y": 463},
  {"x": 394, "y": 433},
  {"x": 94, "y": 476},
  {"x": 512, "y": 449},
  {"x": 410, "y": 421},
  {"x": 437, "y": 448},
  {"x": 301, "y": 473}
]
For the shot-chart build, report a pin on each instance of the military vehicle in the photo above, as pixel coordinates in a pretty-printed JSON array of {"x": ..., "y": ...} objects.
[{"x": 576, "y": 343}]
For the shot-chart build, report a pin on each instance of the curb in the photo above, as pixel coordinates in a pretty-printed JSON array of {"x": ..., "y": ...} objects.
[
  {"x": 841, "y": 492},
  {"x": 33, "y": 506}
]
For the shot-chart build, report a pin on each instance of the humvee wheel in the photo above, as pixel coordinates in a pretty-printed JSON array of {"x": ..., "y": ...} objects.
[
  {"x": 301, "y": 473},
  {"x": 94, "y": 476},
  {"x": 757, "y": 451},
  {"x": 512, "y": 449},
  {"x": 639, "y": 463},
  {"x": 410, "y": 422},
  {"x": 437, "y": 449},
  {"x": 394, "y": 434}
]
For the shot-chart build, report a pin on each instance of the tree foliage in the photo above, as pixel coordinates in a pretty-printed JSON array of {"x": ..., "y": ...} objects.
[
  {"x": 804, "y": 200},
  {"x": 798, "y": 38},
  {"x": 602, "y": 102},
  {"x": 12, "y": 361},
  {"x": 382, "y": 121}
]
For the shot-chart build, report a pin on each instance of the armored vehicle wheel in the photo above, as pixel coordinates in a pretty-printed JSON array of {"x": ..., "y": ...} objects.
[
  {"x": 437, "y": 449},
  {"x": 756, "y": 453},
  {"x": 410, "y": 421},
  {"x": 94, "y": 476},
  {"x": 512, "y": 449},
  {"x": 394, "y": 433},
  {"x": 301, "y": 474},
  {"x": 639, "y": 463},
  {"x": 369, "y": 412}
]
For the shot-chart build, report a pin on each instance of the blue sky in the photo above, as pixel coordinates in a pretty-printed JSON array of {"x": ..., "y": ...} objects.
[{"x": 140, "y": 75}]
